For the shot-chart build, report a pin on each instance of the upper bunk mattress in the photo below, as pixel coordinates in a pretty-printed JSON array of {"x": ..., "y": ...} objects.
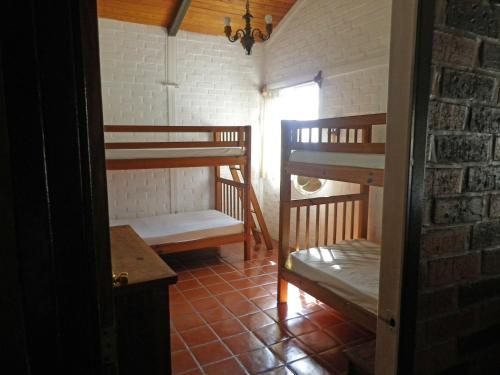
[
  {"x": 170, "y": 153},
  {"x": 345, "y": 159},
  {"x": 350, "y": 269},
  {"x": 186, "y": 226}
]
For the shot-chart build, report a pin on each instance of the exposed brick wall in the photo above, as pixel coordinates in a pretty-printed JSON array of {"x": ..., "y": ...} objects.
[
  {"x": 218, "y": 85},
  {"x": 459, "y": 303}
]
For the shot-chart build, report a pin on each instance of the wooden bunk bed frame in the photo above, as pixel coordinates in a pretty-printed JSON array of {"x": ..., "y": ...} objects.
[
  {"x": 346, "y": 135},
  {"x": 231, "y": 197}
]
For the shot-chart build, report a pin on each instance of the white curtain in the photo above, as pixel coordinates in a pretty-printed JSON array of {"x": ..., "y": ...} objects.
[{"x": 293, "y": 103}]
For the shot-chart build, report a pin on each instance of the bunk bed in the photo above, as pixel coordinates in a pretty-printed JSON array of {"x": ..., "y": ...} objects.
[
  {"x": 333, "y": 262},
  {"x": 230, "y": 222}
]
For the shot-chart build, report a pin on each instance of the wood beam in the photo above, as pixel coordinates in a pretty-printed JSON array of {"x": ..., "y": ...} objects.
[{"x": 179, "y": 17}]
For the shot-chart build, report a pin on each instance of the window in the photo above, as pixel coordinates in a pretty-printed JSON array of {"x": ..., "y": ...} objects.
[{"x": 293, "y": 103}]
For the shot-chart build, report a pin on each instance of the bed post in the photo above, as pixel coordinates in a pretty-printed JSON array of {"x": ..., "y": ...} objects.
[
  {"x": 247, "y": 176},
  {"x": 285, "y": 200},
  {"x": 218, "y": 184},
  {"x": 364, "y": 189}
]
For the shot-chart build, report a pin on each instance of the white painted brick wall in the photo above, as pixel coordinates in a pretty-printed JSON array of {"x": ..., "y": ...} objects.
[
  {"x": 349, "y": 41},
  {"x": 219, "y": 85}
]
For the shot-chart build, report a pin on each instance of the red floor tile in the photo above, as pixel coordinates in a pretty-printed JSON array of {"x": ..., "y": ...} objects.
[
  {"x": 202, "y": 272},
  {"x": 241, "y": 283},
  {"x": 227, "y": 367},
  {"x": 176, "y": 343},
  {"x": 346, "y": 333},
  {"x": 222, "y": 268},
  {"x": 188, "y": 284},
  {"x": 198, "y": 336},
  {"x": 308, "y": 366},
  {"x": 299, "y": 326},
  {"x": 228, "y": 328},
  {"x": 231, "y": 297},
  {"x": 210, "y": 353},
  {"x": 187, "y": 321},
  {"x": 231, "y": 276},
  {"x": 243, "y": 343},
  {"x": 181, "y": 309},
  {"x": 271, "y": 288},
  {"x": 283, "y": 370},
  {"x": 184, "y": 275},
  {"x": 251, "y": 272},
  {"x": 210, "y": 280},
  {"x": 324, "y": 319},
  {"x": 267, "y": 302},
  {"x": 263, "y": 279},
  {"x": 215, "y": 315},
  {"x": 256, "y": 320},
  {"x": 182, "y": 361},
  {"x": 254, "y": 292},
  {"x": 271, "y": 334},
  {"x": 289, "y": 350},
  {"x": 318, "y": 341},
  {"x": 282, "y": 312},
  {"x": 205, "y": 304},
  {"x": 194, "y": 294},
  {"x": 242, "y": 308},
  {"x": 217, "y": 289},
  {"x": 336, "y": 359},
  {"x": 260, "y": 360}
]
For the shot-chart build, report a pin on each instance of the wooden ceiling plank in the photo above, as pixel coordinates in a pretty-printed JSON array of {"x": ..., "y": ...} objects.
[{"x": 179, "y": 17}]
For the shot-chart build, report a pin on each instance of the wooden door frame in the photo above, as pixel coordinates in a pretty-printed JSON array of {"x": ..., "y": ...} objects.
[{"x": 409, "y": 88}]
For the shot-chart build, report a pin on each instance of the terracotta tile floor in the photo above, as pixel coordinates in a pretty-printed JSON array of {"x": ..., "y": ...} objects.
[{"x": 225, "y": 319}]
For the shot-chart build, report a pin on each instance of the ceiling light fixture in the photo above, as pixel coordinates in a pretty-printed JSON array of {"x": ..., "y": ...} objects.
[{"x": 248, "y": 35}]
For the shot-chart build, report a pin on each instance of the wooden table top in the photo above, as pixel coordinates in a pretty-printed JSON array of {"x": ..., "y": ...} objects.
[{"x": 129, "y": 253}]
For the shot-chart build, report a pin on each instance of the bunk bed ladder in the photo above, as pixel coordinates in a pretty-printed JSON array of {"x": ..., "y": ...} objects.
[{"x": 256, "y": 210}]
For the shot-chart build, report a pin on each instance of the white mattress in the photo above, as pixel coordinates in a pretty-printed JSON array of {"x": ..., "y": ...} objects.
[
  {"x": 186, "y": 226},
  {"x": 346, "y": 159},
  {"x": 350, "y": 269},
  {"x": 167, "y": 153}
]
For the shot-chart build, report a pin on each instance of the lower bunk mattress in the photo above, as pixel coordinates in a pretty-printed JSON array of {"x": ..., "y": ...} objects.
[
  {"x": 183, "y": 227},
  {"x": 350, "y": 269}
]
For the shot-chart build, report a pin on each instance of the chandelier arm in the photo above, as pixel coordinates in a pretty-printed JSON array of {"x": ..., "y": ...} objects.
[
  {"x": 258, "y": 32},
  {"x": 237, "y": 36}
]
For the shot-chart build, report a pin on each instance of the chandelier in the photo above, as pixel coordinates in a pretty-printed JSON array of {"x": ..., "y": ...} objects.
[{"x": 247, "y": 36}]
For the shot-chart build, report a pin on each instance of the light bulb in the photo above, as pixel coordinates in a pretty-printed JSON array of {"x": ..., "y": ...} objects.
[
  {"x": 268, "y": 19},
  {"x": 227, "y": 21}
]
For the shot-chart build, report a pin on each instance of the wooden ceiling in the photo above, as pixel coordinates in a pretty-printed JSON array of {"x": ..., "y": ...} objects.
[{"x": 203, "y": 16}]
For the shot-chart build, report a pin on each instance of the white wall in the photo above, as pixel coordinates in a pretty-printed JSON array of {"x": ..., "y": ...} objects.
[
  {"x": 349, "y": 41},
  {"x": 218, "y": 85}
]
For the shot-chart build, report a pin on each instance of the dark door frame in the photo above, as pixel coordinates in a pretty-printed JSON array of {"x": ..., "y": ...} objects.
[{"x": 56, "y": 261}]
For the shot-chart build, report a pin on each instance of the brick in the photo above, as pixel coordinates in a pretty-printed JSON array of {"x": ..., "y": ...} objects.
[
  {"x": 483, "y": 179},
  {"x": 490, "y": 56},
  {"x": 485, "y": 120},
  {"x": 453, "y": 269},
  {"x": 446, "y": 116},
  {"x": 490, "y": 313},
  {"x": 496, "y": 155},
  {"x": 462, "y": 148},
  {"x": 479, "y": 291},
  {"x": 455, "y": 50},
  {"x": 458, "y": 210},
  {"x": 486, "y": 234},
  {"x": 461, "y": 85},
  {"x": 437, "y": 302},
  {"x": 495, "y": 206},
  {"x": 447, "y": 181},
  {"x": 491, "y": 262},
  {"x": 477, "y": 341},
  {"x": 449, "y": 326},
  {"x": 436, "y": 358},
  {"x": 438, "y": 242},
  {"x": 476, "y": 16}
]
